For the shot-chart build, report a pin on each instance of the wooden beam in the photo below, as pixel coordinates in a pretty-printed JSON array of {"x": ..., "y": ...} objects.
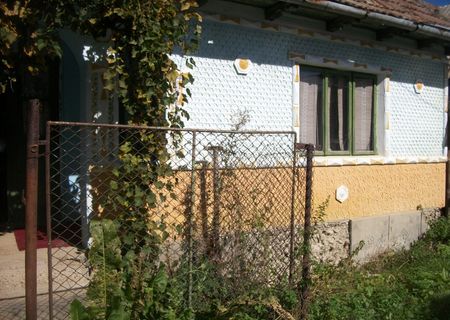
[
  {"x": 389, "y": 33},
  {"x": 426, "y": 43},
  {"x": 447, "y": 53},
  {"x": 338, "y": 24},
  {"x": 275, "y": 11}
]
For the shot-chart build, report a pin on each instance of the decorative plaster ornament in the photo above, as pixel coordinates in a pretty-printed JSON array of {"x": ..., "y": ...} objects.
[
  {"x": 418, "y": 86},
  {"x": 387, "y": 87},
  {"x": 342, "y": 193},
  {"x": 242, "y": 66}
]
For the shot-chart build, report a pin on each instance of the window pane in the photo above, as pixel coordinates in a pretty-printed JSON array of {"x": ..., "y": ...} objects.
[
  {"x": 311, "y": 108},
  {"x": 337, "y": 96},
  {"x": 363, "y": 114}
]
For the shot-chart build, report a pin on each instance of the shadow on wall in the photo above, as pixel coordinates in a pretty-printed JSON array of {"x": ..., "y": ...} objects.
[{"x": 228, "y": 42}]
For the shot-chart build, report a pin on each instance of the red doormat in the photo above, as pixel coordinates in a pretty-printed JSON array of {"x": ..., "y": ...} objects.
[{"x": 42, "y": 240}]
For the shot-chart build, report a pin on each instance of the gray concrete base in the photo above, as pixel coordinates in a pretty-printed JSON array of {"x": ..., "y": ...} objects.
[
  {"x": 364, "y": 238},
  {"x": 389, "y": 232}
]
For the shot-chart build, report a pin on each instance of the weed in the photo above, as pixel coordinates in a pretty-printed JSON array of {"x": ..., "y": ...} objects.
[{"x": 407, "y": 285}]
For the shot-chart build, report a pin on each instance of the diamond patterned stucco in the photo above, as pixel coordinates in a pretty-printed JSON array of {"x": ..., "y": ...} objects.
[{"x": 265, "y": 93}]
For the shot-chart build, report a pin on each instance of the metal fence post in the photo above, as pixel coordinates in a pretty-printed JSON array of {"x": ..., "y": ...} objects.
[
  {"x": 49, "y": 219},
  {"x": 204, "y": 201},
  {"x": 32, "y": 165},
  {"x": 292, "y": 217},
  {"x": 216, "y": 204},
  {"x": 190, "y": 220},
  {"x": 307, "y": 233}
]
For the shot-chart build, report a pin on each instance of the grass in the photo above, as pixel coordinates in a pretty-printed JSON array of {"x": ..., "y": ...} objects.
[{"x": 413, "y": 284}]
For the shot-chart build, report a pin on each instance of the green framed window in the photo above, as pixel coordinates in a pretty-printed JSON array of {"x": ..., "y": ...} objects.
[{"x": 338, "y": 111}]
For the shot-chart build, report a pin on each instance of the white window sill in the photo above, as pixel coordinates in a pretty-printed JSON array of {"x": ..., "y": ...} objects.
[{"x": 336, "y": 161}]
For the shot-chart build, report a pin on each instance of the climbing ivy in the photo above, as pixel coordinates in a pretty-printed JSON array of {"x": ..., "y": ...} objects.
[
  {"x": 141, "y": 35},
  {"x": 28, "y": 38},
  {"x": 129, "y": 281}
]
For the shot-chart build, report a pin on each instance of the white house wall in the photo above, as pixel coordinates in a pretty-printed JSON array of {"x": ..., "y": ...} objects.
[{"x": 416, "y": 121}]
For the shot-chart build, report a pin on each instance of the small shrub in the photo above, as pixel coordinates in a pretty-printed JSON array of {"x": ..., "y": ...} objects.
[
  {"x": 439, "y": 307},
  {"x": 410, "y": 284},
  {"x": 439, "y": 231}
]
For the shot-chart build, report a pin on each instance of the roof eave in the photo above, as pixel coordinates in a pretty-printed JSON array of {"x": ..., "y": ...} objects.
[{"x": 431, "y": 31}]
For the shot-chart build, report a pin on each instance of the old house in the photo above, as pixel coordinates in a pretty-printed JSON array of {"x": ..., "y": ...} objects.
[{"x": 365, "y": 82}]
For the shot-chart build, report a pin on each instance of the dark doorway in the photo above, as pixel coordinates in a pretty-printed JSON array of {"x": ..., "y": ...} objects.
[
  {"x": 12, "y": 179},
  {"x": 13, "y": 148}
]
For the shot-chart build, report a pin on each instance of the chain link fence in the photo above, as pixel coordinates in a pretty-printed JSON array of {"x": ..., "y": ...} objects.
[{"x": 231, "y": 202}]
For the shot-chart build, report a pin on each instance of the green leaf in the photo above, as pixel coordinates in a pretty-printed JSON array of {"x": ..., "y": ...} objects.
[
  {"x": 160, "y": 282},
  {"x": 119, "y": 315},
  {"x": 113, "y": 184},
  {"x": 151, "y": 198},
  {"x": 78, "y": 311},
  {"x": 159, "y": 184}
]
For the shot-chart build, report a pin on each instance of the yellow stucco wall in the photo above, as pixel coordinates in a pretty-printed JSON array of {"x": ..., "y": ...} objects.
[
  {"x": 373, "y": 190},
  {"x": 379, "y": 189}
]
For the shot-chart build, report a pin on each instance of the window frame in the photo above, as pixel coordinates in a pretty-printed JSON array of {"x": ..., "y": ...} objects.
[{"x": 351, "y": 75}]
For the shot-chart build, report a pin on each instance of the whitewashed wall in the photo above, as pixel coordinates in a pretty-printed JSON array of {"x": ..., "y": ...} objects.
[{"x": 416, "y": 126}]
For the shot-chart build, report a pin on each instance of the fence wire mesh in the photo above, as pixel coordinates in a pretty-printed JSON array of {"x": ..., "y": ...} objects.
[{"x": 228, "y": 203}]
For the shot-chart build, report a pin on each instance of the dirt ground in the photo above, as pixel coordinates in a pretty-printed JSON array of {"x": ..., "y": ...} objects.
[{"x": 69, "y": 273}]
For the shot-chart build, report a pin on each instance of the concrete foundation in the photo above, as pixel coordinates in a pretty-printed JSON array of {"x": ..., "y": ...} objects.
[
  {"x": 331, "y": 241},
  {"x": 372, "y": 236},
  {"x": 365, "y": 238}
]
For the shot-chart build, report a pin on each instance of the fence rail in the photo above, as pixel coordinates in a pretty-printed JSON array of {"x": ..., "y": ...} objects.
[{"x": 227, "y": 205}]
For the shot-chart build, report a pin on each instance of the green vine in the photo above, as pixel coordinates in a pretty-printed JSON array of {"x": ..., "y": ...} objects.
[
  {"x": 129, "y": 281},
  {"x": 141, "y": 35}
]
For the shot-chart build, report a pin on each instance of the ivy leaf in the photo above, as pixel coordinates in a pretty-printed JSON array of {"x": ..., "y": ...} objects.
[
  {"x": 160, "y": 282},
  {"x": 188, "y": 4},
  {"x": 159, "y": 184},
  {"x": 78, "y": 311},
  {"x": 118, "y": 311},
  {"x": 113, "y": 184}
]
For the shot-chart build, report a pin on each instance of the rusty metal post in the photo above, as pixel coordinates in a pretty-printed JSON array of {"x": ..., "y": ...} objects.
[
  {"x": 216, "y": 204},
  {"x": 49, "y": 219},
  {"x": 204, "y": 201},
  {"x": 190, "y": 220},
  {"x": 292, "y": 217},
  {"x": 307, "y": 233},
  {"x": 32, "y": 165}
]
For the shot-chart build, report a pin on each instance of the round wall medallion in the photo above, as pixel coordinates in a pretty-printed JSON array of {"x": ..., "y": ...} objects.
[
  {"x": 419, "y": 86},
  {"x": 242, "y": 66},
  {"x": 342, "y": 193}
]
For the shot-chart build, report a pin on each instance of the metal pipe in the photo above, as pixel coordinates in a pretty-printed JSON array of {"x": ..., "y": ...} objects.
[
  {"x": 335, "y": 7},
  {"x": 49, "y": 220},
  {"x": 124, "y": 126},
  {"x": 292, "y": 217},
  {"x": 216, "y": 219},
  {"x": 204, "y": 201},
  {"x": 392, "y": 21},
  {"x": 191, "y": 220},
  {"x": 441, "y": 33},
  {"x": 307, "y": 234},
  {"x": 424, "y": 29},
  {"x": 32, "y": 166}
]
